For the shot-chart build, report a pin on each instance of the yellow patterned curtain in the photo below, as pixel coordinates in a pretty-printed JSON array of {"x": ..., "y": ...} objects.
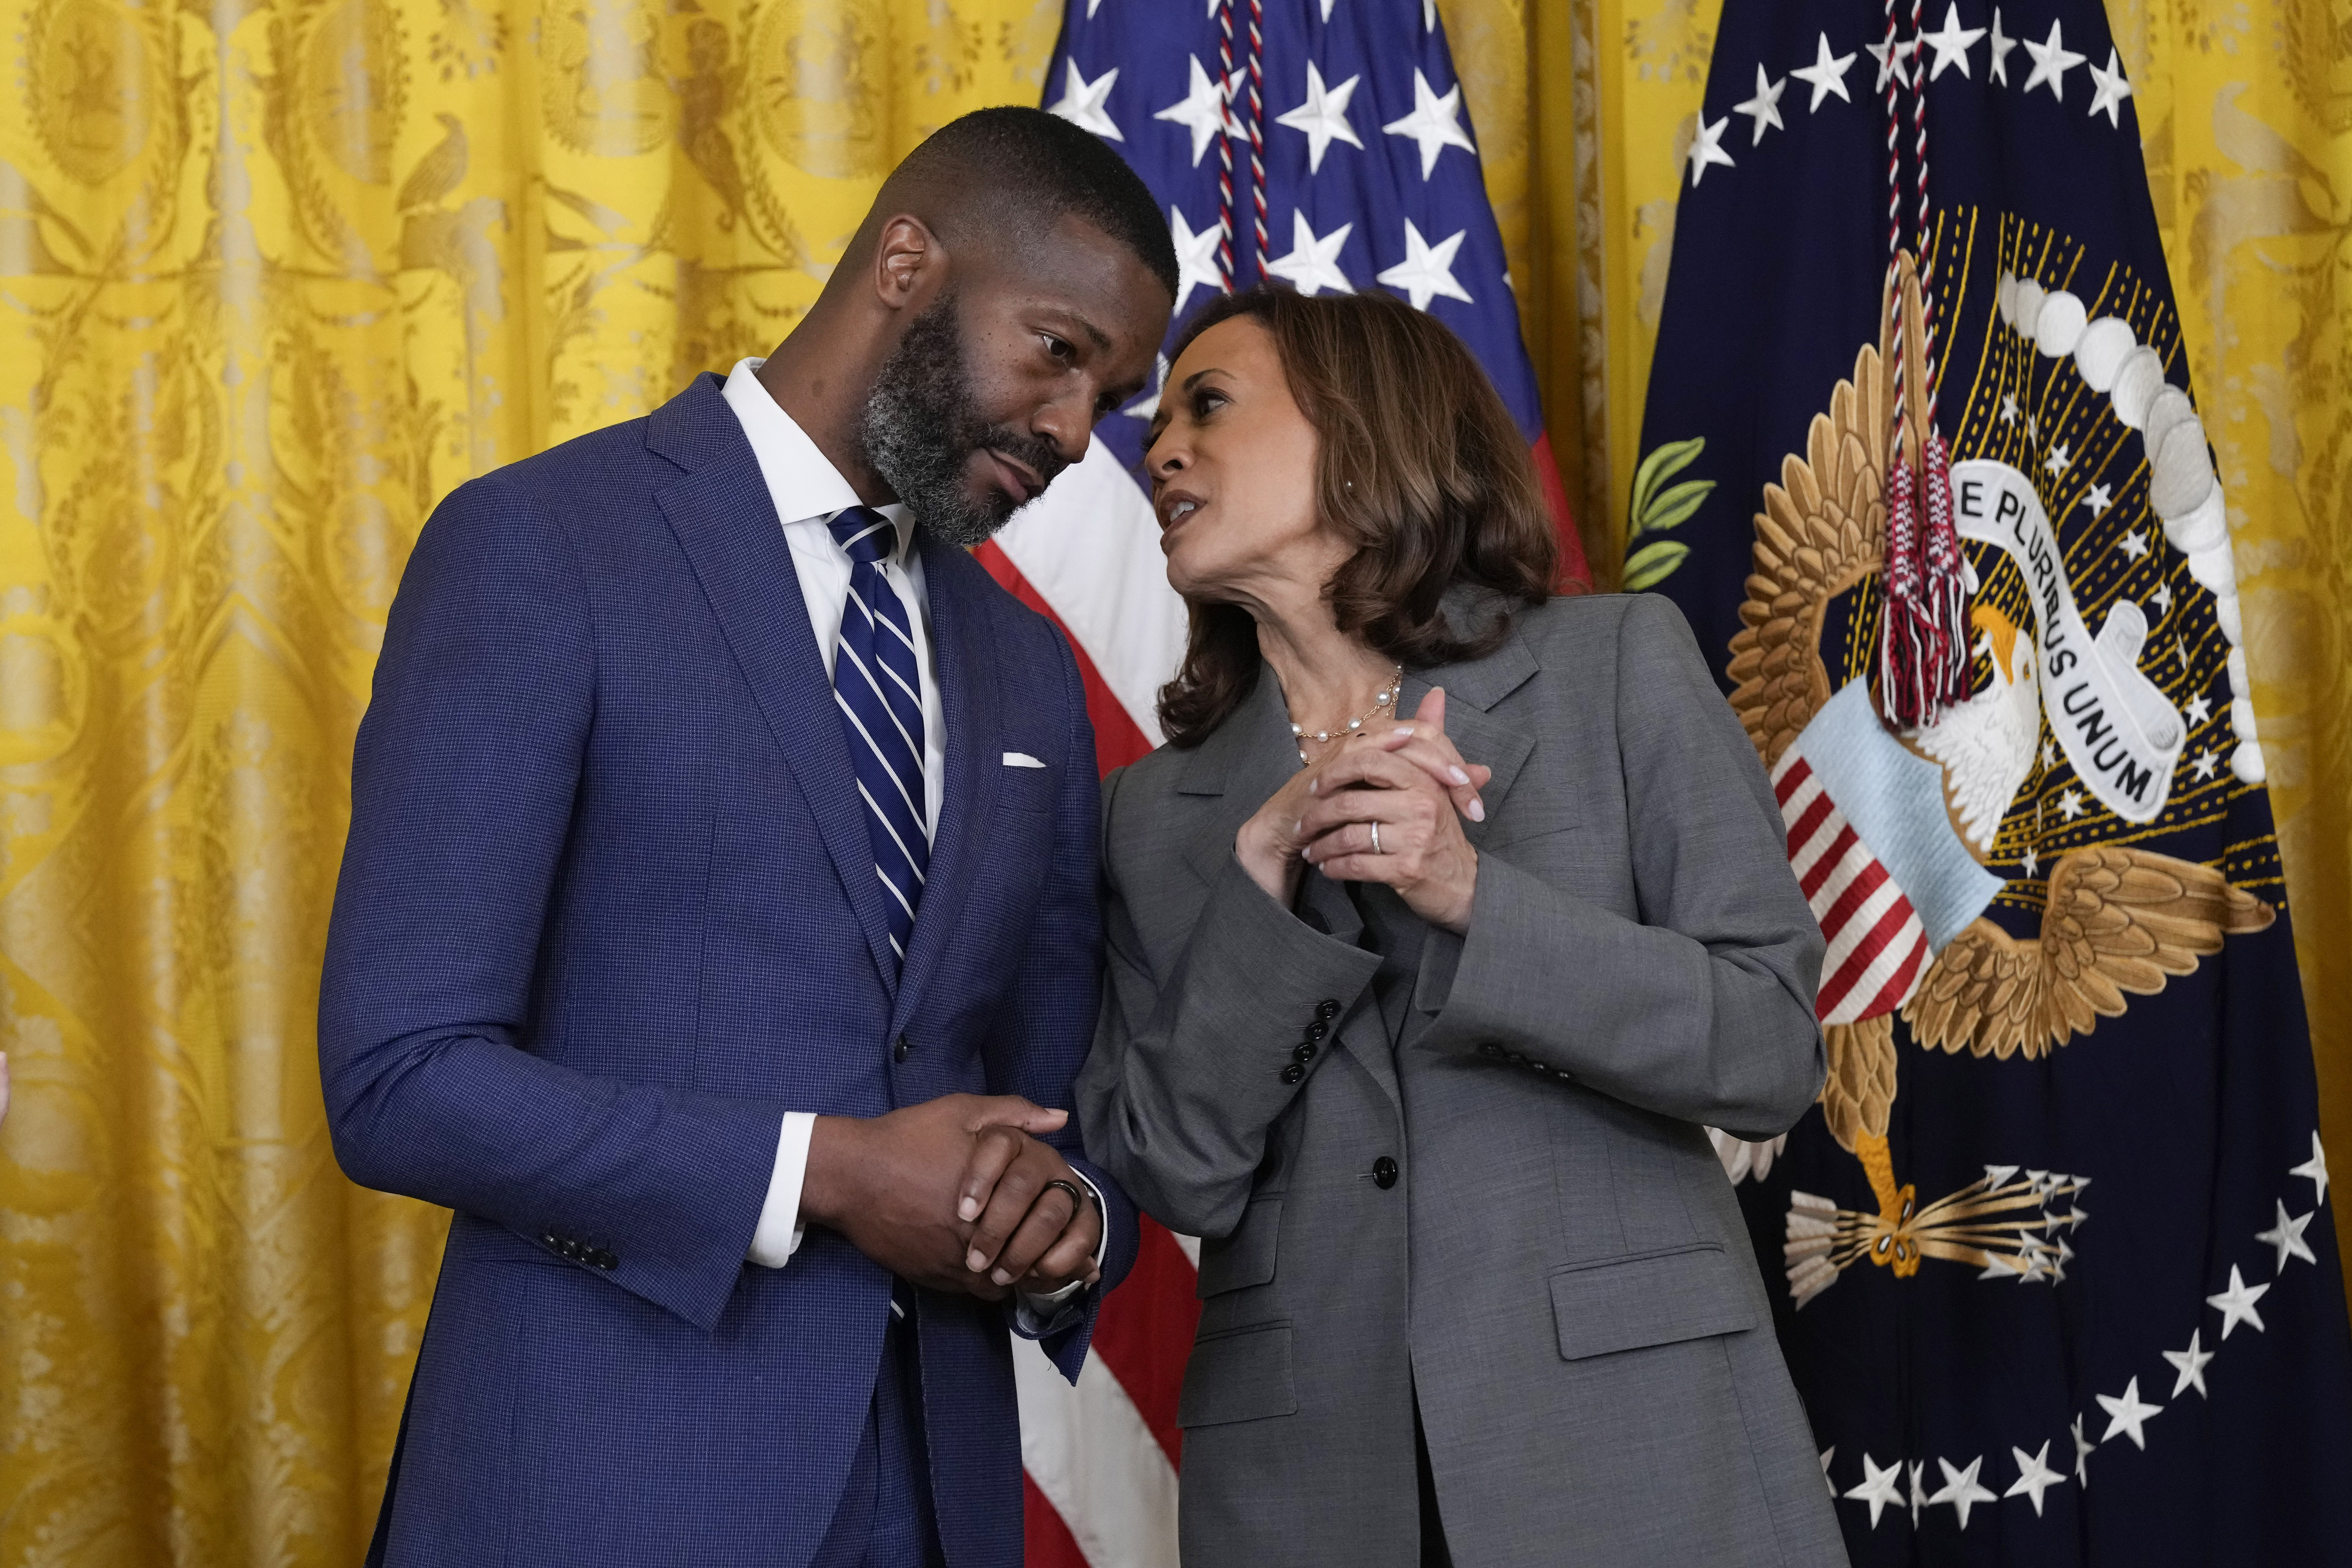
[{"x": 275, "y": 275}]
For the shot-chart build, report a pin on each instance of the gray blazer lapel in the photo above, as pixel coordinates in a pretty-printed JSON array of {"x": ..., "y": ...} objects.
[
  {"x": 1364, "y": 1033},
  {"x": 1472, "y": 688},
  {"x": 1244, "y": 761},
  {"x": 1325, "y": 904}
]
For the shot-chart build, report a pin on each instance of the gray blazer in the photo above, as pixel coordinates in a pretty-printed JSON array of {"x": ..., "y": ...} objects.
[{"x": 1486, "y": 1184}]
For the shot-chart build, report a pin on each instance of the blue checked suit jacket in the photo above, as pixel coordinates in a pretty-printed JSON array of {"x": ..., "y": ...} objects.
[{"x": 608, "y": 910}]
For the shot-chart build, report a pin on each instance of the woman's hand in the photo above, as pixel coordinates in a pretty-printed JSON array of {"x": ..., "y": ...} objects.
[
  {"x": 1404, "y": 791},
  {"x": 1423, "y": 741},
  {"x": 1270, "y": 844}
]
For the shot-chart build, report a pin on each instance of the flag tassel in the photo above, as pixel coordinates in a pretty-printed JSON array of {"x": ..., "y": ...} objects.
[{"x": 1907, "y": 637}]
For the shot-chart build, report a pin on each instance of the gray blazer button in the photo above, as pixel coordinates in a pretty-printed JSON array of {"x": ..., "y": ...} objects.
[
  {"x": 1318, "y": 1029},
  {"x": 1327, "y": 1009},
  {"x": 1384, "y": 1172},
  {"x": 1490, "y": 1050},
  {"x": 1304, "y": 1052},
  {"x": 1292, "y": 1073}
]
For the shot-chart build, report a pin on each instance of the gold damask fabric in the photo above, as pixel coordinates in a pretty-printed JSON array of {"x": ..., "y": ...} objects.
[{"x": 276, "y": 275}]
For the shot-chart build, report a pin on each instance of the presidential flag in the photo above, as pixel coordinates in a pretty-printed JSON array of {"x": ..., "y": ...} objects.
[
  {"x": 1323, "y": 144},
  {"x": 1923, "y": 464}
]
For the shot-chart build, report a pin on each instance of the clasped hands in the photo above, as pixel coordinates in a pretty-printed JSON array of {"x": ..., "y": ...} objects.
[
  {"x": 952, "y": 1195},
  {"x": 1406, "y": 779}
]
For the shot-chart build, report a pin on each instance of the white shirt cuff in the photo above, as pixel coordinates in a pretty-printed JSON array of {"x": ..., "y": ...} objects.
[
  {"x": 778, "y": 1235},
  {"x": 1102, "y": 1211}
]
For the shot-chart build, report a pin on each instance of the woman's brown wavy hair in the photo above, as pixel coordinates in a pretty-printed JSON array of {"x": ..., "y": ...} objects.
[{"x": 1418, "y": 464}]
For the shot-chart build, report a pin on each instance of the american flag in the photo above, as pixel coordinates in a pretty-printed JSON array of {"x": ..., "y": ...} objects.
[{"x": 1323, "y": 144}]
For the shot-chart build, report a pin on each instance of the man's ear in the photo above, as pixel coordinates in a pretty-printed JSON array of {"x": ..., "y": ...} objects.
[{"x": 907, "y": 257}]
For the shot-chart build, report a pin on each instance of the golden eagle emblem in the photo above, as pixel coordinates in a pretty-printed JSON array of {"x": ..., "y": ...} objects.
[{"x": 2118, "y": 920}]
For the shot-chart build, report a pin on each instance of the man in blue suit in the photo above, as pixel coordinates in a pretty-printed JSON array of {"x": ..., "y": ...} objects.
[{"x": 719, "y": 914}]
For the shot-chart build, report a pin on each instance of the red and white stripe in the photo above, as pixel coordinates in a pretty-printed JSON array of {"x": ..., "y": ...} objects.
[
  {"x": 1878, "y": 948},
  {"x": 1086, "y": 554}
]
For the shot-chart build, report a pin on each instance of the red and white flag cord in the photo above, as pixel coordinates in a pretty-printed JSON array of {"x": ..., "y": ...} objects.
[
  {"x": 1229, "y": 94},
  {"x": 1923, "y": 639}
]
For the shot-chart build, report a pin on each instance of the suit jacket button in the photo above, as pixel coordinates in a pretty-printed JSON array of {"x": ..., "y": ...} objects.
[
  {"x": 1304, "y": 1052},
  {"x": 602, "y": 1259},
  {"x": 1292, "y": 1073},
  {"x": 548, "y": 1239},
  {"x": 1327, "y": 1009},
  {"x": 1384, "y": 1172},
  {"x": 1490, "y": 1050},
  {"x": 1318, "y": 1029},
  {"x": 898, "y": 1051}
]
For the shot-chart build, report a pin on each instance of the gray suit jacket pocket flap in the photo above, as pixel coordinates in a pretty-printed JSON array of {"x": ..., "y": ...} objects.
[
  {"x": 1244, "y": 1257},
  {"x": 1655, "y": 1298},
  {"x": 1241, "y": 1376}
]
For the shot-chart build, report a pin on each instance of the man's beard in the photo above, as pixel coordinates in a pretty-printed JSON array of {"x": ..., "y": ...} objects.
[{"x": 919, "y": 428}]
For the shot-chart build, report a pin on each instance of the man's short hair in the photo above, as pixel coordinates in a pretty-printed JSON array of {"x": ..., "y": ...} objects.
[{"x": 1012, "y": 167}]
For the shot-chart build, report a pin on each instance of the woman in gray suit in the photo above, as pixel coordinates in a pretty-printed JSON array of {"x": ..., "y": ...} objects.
[{"x": 1417, "y": 1022}]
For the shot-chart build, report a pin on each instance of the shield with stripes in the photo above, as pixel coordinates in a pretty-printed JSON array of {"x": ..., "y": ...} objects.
[{"x": 1888, "y": 878}]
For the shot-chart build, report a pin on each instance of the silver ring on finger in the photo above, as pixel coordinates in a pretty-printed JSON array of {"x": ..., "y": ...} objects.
[{"x": 1376, "y": 838}]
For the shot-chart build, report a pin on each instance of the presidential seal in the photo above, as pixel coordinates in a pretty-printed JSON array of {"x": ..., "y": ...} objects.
[{"x": 2022, "y": 783}]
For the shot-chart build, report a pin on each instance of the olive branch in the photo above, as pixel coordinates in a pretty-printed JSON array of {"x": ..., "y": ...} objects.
[{"x": 1654, "y": 510}]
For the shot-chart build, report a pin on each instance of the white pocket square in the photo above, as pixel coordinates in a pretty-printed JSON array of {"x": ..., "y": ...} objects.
[{"x": 1021, "y": 760}]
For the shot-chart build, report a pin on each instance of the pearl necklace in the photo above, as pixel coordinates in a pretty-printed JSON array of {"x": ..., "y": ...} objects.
[{"x": 1380, "y": 700}]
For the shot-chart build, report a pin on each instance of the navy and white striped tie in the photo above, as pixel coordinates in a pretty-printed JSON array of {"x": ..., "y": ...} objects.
[{"x": 879, "y": 688}]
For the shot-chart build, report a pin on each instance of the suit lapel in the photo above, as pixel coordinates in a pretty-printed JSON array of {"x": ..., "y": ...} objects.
[
  {"x": 1365, "y": 1033},
  {"x": 1328, "y": 905},
  {"x": 721, "y": 511},
  {"x": 1249, "y": 757},
  {"x": 954, "y": 584},
  {"x": 1473, "y": 688}
]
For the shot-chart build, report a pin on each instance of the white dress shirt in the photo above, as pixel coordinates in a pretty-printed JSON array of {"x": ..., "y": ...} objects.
[{"x": 807, "y": 490}]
